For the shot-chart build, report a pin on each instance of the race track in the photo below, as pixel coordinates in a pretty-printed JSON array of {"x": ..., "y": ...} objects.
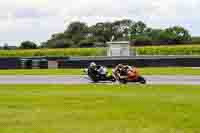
[{"x": 179, "y": 80}]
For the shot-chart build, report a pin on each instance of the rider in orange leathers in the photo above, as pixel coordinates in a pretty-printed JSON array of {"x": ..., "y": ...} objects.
[
  {"x": 126, "y": 73},
  {"x": 131, "y": 73}
]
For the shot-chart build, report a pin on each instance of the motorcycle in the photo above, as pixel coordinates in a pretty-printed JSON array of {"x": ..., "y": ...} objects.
[
  {"x": 129, "y": 75},
  {"x": 96, "y": 76}
]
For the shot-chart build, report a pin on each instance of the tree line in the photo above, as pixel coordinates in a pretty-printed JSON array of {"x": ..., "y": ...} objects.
[{"x": 80, "y": 34}]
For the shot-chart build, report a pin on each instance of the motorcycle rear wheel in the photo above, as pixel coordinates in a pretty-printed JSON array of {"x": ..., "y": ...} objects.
[{"x": 141, "y": 80}]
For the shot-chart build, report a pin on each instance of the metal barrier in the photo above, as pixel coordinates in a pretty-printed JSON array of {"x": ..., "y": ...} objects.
[
  {"x": 140, "y": 61},
  {"x": 39, "y": 63},
  {"x": 80, "y": 62},
  {"x": 9, "y": 63}
]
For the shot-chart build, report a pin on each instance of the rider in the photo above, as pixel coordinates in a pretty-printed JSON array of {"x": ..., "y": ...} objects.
[
  {"x": 132, "y": 72},
  {"x": 92, "y": 65},
  {"x": 118, "y": 68},
  {"x": 123, "y": 70},
  {"x": 98, "y": 68},
  {"x": 119, "y": 71}
]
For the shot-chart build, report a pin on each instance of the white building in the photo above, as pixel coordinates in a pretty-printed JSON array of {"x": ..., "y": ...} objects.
[{"x": 119, "y": 48}]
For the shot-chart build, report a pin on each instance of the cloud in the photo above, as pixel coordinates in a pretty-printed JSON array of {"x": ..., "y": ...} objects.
[
  {"x": 38, "y": 19},
  {"x": 21, "y": 13}
]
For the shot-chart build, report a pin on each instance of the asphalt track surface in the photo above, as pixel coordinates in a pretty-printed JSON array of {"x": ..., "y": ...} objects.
[{"x": 179, "y": 80}]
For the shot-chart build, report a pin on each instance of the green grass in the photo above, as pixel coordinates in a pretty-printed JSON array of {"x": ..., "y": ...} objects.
[
  {"x": 169, "y": 50},
  {"x": 42, "y": 72},
  {"x": 170, "y": 71},
  {"x": 143, "y": 71},
  {"x": 99, "y": 109},
  {"x": 147, "y": 50},
  {"x": 54, "y": 52}
]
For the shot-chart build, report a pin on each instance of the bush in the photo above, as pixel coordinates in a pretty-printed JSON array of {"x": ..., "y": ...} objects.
[
  {"x": 86, "y": 44},
  {"x": 28, "y": 45},
  {"x": 61, "y": 43},
  {"x": 196, "y": 40}
]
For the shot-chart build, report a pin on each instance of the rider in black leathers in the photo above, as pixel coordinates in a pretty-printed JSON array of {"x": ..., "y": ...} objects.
[
  {"x": 97, "y": 69},
  {"x": 99, "y": 73}
]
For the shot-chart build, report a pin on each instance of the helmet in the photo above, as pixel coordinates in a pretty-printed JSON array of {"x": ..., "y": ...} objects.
[
  {"x": 92, "y": 64},
  {"x": 120, "y": 65}
]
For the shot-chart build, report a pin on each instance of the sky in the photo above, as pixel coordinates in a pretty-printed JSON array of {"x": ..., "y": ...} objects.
[{"x": 37, "y": 20}]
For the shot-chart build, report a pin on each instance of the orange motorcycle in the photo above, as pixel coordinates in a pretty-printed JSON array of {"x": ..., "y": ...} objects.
[{"x": 128, "y": 74}]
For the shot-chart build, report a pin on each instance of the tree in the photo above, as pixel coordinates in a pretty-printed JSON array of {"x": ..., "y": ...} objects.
[
  {"x": 5, "y": 46},
  {"x": 77, "y": 28},
  {"x": 79, "y": 34},
  {"x": 58, "y": 43},
  {"x": 102, "y": 31},
  {"x": 86, "y": 43},
  {"x": 43, "y": 45},
  {"x": 138, "y": 28},
  {"x": 154, "y": 34},
  {"x": 178, "y": 33},
  {"x": 28, "y": 45},
  {"x": 58, "y": 36},
  {"x": 76, "y": 38},
  {"x": 63, "y": 43},
  {"x": 121, "y": 29},
  {"x": 76, "y": 31}
]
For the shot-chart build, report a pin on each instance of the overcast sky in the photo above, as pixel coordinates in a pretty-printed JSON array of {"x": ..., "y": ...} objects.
[{"x": 36, "y": 20}]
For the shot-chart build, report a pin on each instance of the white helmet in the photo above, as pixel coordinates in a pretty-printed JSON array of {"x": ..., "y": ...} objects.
[{"x": 92, "y": 64}]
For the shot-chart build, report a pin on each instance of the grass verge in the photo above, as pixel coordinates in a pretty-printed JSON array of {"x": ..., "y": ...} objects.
[{"x": 99, "y": 108}]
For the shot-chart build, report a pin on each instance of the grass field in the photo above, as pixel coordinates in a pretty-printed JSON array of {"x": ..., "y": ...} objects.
[
  {"x": 99, "y": 109},
  {"x": 42, "y": 72},
  {"x": 54, "y": 52},
  {"x": 147, "y": 50},
  {"x": 144, "y": 71},
  {"x": 169, "y": 50}
]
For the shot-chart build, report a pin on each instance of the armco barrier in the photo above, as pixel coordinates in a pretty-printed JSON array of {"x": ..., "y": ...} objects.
[
  {"x": 9, "y": 63},
  {"x": 140, "y": 61},
  {"x": 81, "y": 62}
]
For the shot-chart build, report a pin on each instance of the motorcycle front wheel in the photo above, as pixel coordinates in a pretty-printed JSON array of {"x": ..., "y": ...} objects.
[{"x": 123, "y": 81}]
